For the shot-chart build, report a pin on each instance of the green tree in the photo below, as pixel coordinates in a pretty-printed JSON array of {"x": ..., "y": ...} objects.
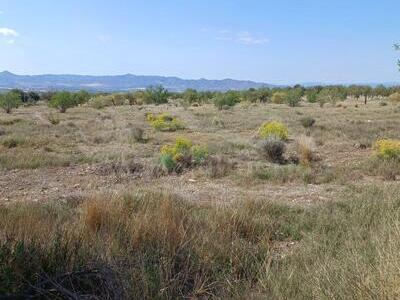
[
  {"x": 397, "y": 47},
  {"x": 227, "y": 99},
  {"x": 190, "y": 96},
  {"x": 62, "y": 101},
  {"x": 81, "y": 97},
  {"x": 311, "y": 95},
  {"x": 156, "y": 94},
  {"x": 293, "y": 96},
  {"x": 9, "y": 101}
]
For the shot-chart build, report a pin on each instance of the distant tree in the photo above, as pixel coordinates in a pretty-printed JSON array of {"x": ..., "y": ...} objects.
[
  {"x": 62, "y": 101},
  {"x": 33, "y": 96},
  {"x": 311, "y": 95},
  {"x": 367, "y": 92},
  {"x": 156, "y": 94},
  {"x": 397, "y": 47},
  {"x": 328, "y": 94},
  {"x": 225, "y": 100},
  {"x": 9, "y": 101},
  {"x": 81, "y": 97},
  {"x": 381, "y": 91},
  {"x": 278, "y": 97},
  {"x": 293, "y": 96},
  {"x": 190, "y": 96}
]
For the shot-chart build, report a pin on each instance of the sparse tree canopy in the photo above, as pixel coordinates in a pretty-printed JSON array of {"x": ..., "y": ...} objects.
[
  {"x": 62, "y": 101},
  {"x": 397, "y": 47},
  {"x": 156, "y": 95},
  {"x": 9, "y": 101}
]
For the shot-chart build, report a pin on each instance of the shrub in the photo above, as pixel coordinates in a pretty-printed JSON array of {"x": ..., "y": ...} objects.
[
  {"x": 219, "y": 166},
  {"x": 100, "y": 101},
  {"x": 273, "y": 129},
  {"x": 182, "y": 154},
  {"x": 11, "y": 142},
  {"x": 62, "y": 101},
  {"x": 272, "y": 149},
  {"x": 81, "y": 97},
  {"x": 395, "y": 97},
  {"x": 278, "y": 97},
  {"x": 156, "y": 94},
  {"x": 137, "y": 134},
  {"x": 293, "y": 97},
  {"x": 311, "y": 96},
  {"x": 307, "y": 122},
  {"x": 228, "y": 99},
  {"x": 388, "y": 149},
  {"x": 305, "y": 149},
  {"x": 165, "y": 122},
  {"x": 53, "y": 119},
  {"x": 10, "y": 101}
]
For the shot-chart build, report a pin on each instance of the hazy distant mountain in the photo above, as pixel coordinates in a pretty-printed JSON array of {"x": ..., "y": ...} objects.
[{"x": 118, "y": 83}]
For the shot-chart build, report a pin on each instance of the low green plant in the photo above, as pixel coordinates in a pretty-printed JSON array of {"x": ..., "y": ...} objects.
[
  {"x": 307, "y": 122},
  {"x": 182, "y": 154},
  {"x": 53, "y": 119}
]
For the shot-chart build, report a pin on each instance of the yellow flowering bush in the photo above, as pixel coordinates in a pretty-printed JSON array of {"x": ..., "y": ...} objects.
[
  {"x": 165, "y": 122},
  {"x": 182, "y": 154},
  {"x": 273, "y": 130},
  {"x": 388, "y": 148}
]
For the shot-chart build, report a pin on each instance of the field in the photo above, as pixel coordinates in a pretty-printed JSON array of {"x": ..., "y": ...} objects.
[{"x": 85, "y": 208}]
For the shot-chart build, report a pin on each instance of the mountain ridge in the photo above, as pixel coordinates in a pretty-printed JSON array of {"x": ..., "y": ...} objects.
[{"x": 125, "y": 82}]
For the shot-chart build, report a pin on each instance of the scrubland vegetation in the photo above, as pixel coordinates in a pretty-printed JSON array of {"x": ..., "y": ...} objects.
[{"x": 288, "y": 193}]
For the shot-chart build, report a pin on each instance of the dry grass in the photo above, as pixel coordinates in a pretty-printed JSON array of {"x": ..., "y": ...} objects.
[{"x": 239, "y": 227}]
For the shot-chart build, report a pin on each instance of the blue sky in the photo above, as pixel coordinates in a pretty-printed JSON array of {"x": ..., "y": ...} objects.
[{"x": 271, "y": 41}]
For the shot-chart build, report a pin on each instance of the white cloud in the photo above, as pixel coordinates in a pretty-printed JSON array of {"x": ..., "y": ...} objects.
[
  {"x": 8, "y": 32},
  {"x": 242, "y": 37},
  {"x": 10, "y": 42},
  {"x": 103, "y": 38},
  {"x": 248, "y": 39}
]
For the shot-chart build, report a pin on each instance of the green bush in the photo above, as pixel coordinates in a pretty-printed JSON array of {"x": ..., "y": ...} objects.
[
  {"x": 307, "y": 122},
  {"x": 10, "y": 101},
  {"x": 156, "y": 95},
  {"x": 293, "y": 97},
  {"x": 62, "y": 101},
  {"x": 182, "y": 154},
  {"x": 226, "y": 100}
]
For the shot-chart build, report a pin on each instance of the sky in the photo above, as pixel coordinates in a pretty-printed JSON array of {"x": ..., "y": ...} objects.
[{"x": 281, "y": 42}]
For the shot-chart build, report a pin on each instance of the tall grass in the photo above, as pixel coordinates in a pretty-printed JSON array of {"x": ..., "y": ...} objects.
[{"x": 152, "y": 245}]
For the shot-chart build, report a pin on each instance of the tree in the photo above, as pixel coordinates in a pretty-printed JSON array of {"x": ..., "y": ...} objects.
[
  {"x": 9, "y": 101},
  {"x": 328, "y": 94},
  {"x": 62, "y": 101},
  {"x": 81, "y": 97},
  {"x": 190, "y": 96},
  {"x": 156, "y": 94},
  {"x": 225, "y": 100},
  {"x": 397, "y": 47},
  {"x": 293, "y": 96},
  {"x": 311, "y": 95}
]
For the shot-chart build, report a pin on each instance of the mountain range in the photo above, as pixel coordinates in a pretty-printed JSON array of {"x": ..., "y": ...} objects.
[{"x": 126, "y": 82}]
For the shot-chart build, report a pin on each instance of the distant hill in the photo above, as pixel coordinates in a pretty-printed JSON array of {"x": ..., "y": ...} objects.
[{"x": 118, "y": 83}]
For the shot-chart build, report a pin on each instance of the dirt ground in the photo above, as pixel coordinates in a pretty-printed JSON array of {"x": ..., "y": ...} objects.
[{"x": 72, "y": 159}]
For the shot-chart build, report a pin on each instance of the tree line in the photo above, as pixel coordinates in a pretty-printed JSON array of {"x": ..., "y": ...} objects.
[{"x": 292, "y": 96}]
